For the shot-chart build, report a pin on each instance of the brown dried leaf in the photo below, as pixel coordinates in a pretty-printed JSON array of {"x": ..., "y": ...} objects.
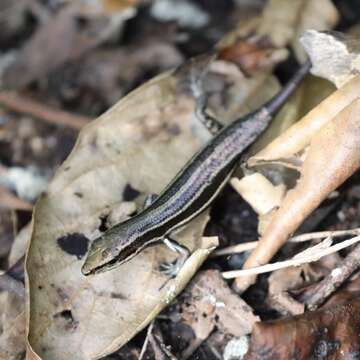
[
  {"x": 298, "y": 136},
  {"x": 58, "y": 40},
  {"x": 102, "y": 70},
  {"x": 333, "y": 156},
  {"x": 281, "y": 281},
  {"x": 252, "y": 56},
  {"x": 262, "y": 194},
  {"x": 136, "y": 147},
  {"x": 283, "y": 21},
  {"x": 331, "y": 334},
  {"x": 309, "y": 94}
]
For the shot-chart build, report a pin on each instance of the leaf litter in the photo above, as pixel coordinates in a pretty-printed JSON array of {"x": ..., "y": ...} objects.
[
  {"x": 65, "y": 215},
  {"x": 154, "y": 128},
  {"x": 331, "y": 158}
]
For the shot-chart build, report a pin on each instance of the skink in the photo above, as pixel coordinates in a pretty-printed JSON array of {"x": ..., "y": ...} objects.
[{"x": 191, "y": 191}]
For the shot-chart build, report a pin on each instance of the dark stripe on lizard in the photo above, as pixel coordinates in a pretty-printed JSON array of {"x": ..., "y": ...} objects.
[{"x": 191, "y": 191}]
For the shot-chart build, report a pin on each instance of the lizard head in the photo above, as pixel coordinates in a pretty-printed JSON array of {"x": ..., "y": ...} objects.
[{"x": 108, "y": 251}]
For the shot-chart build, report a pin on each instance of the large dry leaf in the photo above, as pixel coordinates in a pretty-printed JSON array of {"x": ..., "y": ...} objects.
[{"x": 134, "y": 148}]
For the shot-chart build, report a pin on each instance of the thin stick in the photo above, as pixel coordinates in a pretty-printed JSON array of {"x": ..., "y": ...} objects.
[
  {"x": 325, "y": 234},
  {"x": 12, "y": 202},
  {"x": 51, "y": 115},
  {"x": 292, "y": 262},
  {"x": 160, "y": 350},
  {"x": 334, "y": 279},
  {"x": 235, "y": 249},
  {"x": 145, "y": 345}
]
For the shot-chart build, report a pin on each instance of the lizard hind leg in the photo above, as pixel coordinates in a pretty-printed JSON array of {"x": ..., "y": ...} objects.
[{"x": 172, "y": 269}]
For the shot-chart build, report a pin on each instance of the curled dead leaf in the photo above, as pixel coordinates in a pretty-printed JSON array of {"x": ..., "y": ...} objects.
[
  {"x": 298, "y": 136},
  {"x": 332, "y": 157}
]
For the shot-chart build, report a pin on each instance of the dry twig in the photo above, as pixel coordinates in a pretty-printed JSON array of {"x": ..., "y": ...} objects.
[
  {"x": 310, "y": 255},
  {"x": 146, "y": 342},
  {"x": 10, "y": 201},
  {"x": 333, "y": 281},
  {"x": 239, "y": 248},
  {"x": 51, "y": 115},
  {"x": 161, "y": 352}
]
